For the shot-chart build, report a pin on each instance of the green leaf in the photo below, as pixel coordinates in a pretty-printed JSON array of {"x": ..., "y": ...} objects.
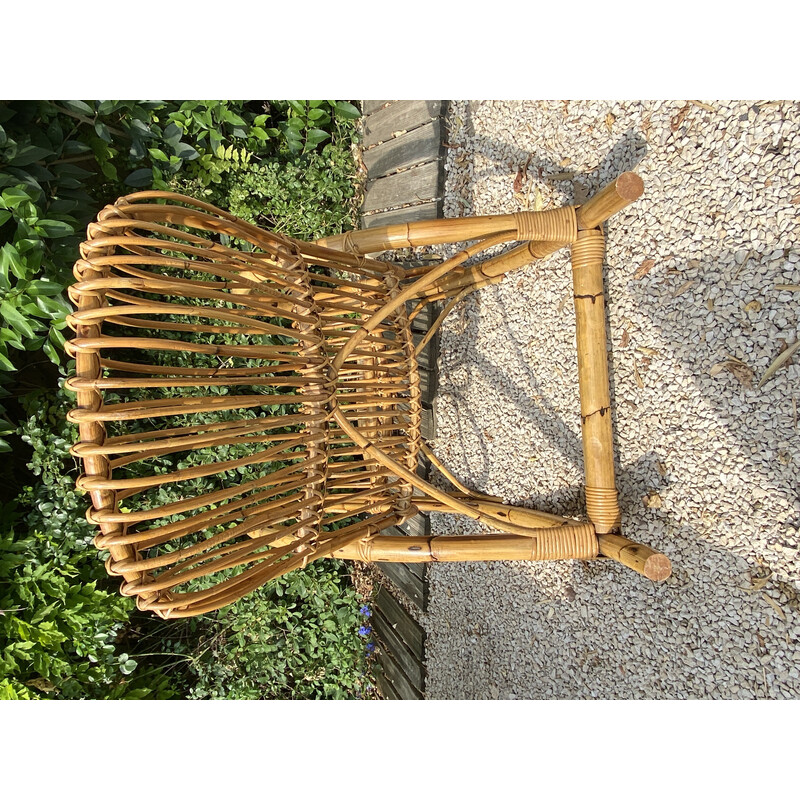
[
  {"x": 12, "y": 260},
  {"x": 128, "y": 667},
  {"x": 27, "y": 245},
  {"x": 73, "y": 147},
  {"x": 5, "y": 447},
  {"x": 140, "y": 177},
  {"x": 137, "y": 151},
  {"x": 107, "y": 107},
  {"x": 109, "y": 170},
  {"x": 315, "y": 136},
  {"x": 57, "y": 338},
  {"x": 12, "y": 337},
  {"x": 102, "y": 131},
  {"x": 5, "y": 216},
  {"x": 15, "y": 195},
  {"x": 45, "y": 287},
  {"x": 70, "y": 176},
  {"x": 27, "y": 154},
  {"x": 234, "y": 119},
  {"x": 6, "y": 365},
  {"x": 54, "y": 228},
  {"x": 298, "y": 106},
  {"x": 78, "y": 106},
  {"x": 141, "y": 129},
  {"x": 185, "y": 151},
  {"x": 18, "y": 322},
  {"x": 172, "y": 134},
  {"x": 27, "y": 211},
  {"x": 346, "y": 110},
  {"x": 319, "y": 116},
  {"x": 157, "y": 155},
  {"x": 51, "y": 353}
]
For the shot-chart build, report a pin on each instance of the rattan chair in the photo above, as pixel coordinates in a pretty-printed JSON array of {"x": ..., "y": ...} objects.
[{"x": 272, "y": 384}]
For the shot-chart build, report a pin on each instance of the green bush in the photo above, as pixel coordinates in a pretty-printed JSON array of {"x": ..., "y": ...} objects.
[
  {"x": 65, "y": 631},
  {"x": 306, "y": 196},
  {"x": 63, "y": 621},
  {"x": 295, "y": 638}
]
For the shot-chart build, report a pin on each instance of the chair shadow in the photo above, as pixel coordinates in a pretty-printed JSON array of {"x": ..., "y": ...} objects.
[
  {"x": 646, "y": 475},
  {"x": 697, "y": 542}
]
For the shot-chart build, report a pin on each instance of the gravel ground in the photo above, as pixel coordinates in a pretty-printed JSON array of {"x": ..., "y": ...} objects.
[{"x": 707, "y": 462}]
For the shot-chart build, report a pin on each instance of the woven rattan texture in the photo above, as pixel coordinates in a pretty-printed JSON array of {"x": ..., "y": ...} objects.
[{"x": 200, "y": 335}]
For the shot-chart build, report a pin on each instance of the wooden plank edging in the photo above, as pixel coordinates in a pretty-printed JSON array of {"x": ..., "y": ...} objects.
[
  {"x": 403, "y": 115},
  {"x": 415, "y": 147}
]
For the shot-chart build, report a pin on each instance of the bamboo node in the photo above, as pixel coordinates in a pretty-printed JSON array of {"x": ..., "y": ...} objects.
[{"x": 592, "y": 297}]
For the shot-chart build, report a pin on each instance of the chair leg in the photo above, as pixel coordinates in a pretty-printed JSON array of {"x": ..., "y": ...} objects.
[
  {"x": 638, "y": 557},
  {"x": 590, "y": 328}
]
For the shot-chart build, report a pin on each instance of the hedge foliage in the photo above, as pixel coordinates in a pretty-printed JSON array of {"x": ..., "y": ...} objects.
[{"x": 65, "y": 632}]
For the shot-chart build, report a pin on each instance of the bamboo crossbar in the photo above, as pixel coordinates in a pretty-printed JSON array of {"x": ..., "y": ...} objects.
[
  {"x": 590, "y": 323},
  {"x": 276, "y": 390}
]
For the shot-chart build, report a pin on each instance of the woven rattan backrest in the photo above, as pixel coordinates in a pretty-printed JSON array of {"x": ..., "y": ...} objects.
[{"x": 202, "y": 348}]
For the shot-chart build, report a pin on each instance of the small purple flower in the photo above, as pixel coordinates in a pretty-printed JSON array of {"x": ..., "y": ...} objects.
[
  {"x": 365, "y": 611},
  {"x": 364, "y": 630},
  {"x": 370, "y": 648}
]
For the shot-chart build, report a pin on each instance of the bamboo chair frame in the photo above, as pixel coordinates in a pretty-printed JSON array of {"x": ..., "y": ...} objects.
[{"x": 320, "y": 455}]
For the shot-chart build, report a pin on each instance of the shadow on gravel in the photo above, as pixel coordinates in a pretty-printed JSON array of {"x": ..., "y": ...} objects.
[
  {"x": 742, "y": 408},
  {"x": 744, "y": 441}
]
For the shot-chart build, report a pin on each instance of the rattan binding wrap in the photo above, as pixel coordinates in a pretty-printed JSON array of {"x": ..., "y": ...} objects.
[
  {"x": 554, "y": 225},
  {"x": 273, "y": 385}
]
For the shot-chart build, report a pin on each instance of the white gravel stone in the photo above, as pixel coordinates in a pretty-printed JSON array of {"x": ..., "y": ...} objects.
[{"x": 718, "y": 219}]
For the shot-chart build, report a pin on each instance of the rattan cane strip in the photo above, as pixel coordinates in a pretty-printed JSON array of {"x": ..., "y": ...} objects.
[{"x": 554, "y": 225}]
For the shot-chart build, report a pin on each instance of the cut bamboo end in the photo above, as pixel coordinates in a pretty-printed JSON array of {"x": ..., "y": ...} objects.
[
  {"x": 638, "y": 557},
  {"x": 611, "y": 199}
]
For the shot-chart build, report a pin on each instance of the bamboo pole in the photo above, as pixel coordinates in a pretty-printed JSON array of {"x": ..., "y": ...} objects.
[
  {"x": 638, "y": 557},
  {"x": 525, "y": 225},
  {"x": 522, "y": 517},
  {"x": 590, "y": 323},
  {"x": 611, "y": 199},
  {"x": 426, "y": 549},
  {"x": 491, "y": 271},
  {"x": 416, "y": 234},
  {"x": 557, "y": 224},
  {"x": 567, "y": 542}
]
